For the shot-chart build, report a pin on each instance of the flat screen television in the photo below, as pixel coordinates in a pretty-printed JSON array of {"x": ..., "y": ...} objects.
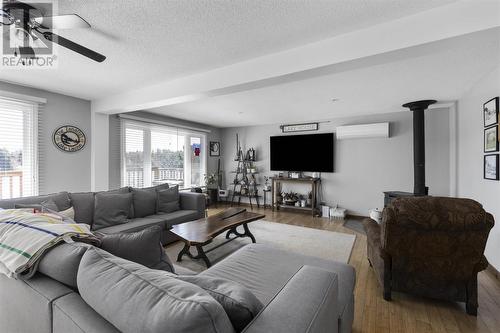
[{"x": 311, "y": 152}]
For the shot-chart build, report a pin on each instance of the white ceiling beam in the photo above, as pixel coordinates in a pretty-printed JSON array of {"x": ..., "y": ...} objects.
[{"x": 441, "y": 23}]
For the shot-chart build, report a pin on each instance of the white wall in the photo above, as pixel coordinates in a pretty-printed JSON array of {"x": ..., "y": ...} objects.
[
  {"x": 364, "y": 168},
  {"x": 60, "y": 170},
  {"x": 114, "y": 142},
  {"x": 470, "y": 156}
]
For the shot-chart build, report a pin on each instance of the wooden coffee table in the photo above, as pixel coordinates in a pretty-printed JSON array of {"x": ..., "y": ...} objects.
[{"x": 201, "y": 232}]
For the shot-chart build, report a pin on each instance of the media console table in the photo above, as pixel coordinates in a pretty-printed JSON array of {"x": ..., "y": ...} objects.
[{"x": 313, "y": 182}]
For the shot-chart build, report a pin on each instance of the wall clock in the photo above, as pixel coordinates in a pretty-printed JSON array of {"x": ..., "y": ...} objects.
[{"x": 69, "y": 138}]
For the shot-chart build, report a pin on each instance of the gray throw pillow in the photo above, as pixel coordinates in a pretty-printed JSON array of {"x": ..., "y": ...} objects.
[
  {"x": 83, "y": 202},
  {"x": 240, "y": 304},
  {"x": 144, "y": 201},
  {"x": 111, "y": 209},
  {"x": 168, "y": 200},
  {"x": 49, "y": 205},
  {"x": 61, "y": 199},
  {"x": 143, "y": 247},
  {"x": 121, "y": 190},
  {"x": 137, "y": 299}
]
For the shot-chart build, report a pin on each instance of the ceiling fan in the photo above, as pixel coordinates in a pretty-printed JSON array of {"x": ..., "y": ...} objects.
[{"x": 30, "y": 28}]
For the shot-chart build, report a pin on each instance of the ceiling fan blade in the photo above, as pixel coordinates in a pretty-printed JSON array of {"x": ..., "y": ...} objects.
[
  {"x": 27, "y": 52},
  {"x": 70, "y": 21},
  {"x": 73, "y": 46}
]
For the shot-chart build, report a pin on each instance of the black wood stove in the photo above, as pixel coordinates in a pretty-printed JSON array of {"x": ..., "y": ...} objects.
[{"x": 419, "y": 189}]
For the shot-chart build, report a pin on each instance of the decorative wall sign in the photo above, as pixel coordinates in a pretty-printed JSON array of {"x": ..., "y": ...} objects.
[
  {"x": 69, "y": 138},
  {"x": 491, "y": 167},
  {"x": 491, "y": 139},
  {"x": 490, "y": 111},
  {"x": 299, "y": 127},
  {"x": 214, "y": 148}
]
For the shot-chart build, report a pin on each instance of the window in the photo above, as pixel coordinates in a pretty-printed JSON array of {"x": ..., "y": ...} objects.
[
  {"x": 155, "y": 154},
  {"x": 18, "y": 149}
]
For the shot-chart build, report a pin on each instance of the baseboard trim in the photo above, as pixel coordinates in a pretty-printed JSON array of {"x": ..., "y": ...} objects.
[{"x": 493, "y": 271}]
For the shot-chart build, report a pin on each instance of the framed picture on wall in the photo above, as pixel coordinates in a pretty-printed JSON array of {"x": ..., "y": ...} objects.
[
  {"x": 491, "y": 167},
  {"x": 214, "y": 148},
  {"x": 490, "y": 112},
  {"x": 491, "y": 139}
]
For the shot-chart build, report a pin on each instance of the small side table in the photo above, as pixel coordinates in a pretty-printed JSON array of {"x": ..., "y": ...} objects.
[{"x": 265, "y": 198}]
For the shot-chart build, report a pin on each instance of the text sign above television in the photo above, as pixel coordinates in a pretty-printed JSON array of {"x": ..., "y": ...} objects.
[{"x": 299, "y": 127}]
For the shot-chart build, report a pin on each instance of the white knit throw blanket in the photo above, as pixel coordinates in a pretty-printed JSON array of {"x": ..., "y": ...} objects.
[{"x": 25, "y": 236}]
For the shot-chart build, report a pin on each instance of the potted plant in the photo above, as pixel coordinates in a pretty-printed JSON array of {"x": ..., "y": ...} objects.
[
  {"x": 267, "y": 187},
  {"x": 302, "y": 200},
  {"x": 309, "y": 198},
  {"x": 290, "y": 198},
  {"x": 211, "y": 183}
]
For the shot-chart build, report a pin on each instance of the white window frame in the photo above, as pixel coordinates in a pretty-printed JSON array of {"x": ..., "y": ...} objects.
[
  {"x": 147, "y": 127},
  {"x": 30, "y": 141}
]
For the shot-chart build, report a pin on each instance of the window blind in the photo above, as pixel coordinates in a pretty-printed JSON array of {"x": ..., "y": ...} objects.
[{"x": 18, "y": 148}]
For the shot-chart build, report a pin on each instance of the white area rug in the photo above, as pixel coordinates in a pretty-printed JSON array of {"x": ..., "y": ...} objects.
[{"x": 313, "y": 242}]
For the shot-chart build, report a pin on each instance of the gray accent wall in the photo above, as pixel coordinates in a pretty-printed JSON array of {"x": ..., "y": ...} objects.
[
  {"x": 60, "y": 170},
  {"x": 115, "y": 142},
  {"x": 364, "y": 168}
]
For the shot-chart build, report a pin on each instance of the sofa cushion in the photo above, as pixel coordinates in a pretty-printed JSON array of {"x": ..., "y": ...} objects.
[
  {"x": 193, "y": 201},
  {"x": 240, "y": 304},
  {"x": 83, "y": 203},
  {"x": 27, "y": 305},
  {"x": 143, "y": 247},
  {"x": 136, "y": 225},
  {"x": 51, "y": 205},
  {"x": 144, "y": 202},
  {"x": 111, "y": 209},
  {"x": 122, "y": 190},
  {"x": 62, "y": 261},
  {"x": 168, "y": 200},
  {"x": 72, "y": 315},
  {"x": 61, "y": 199},
  {"x": 137, "y": 299},
  {"x": 264, "y": 270},
  {"x": 177, "y": 217}
]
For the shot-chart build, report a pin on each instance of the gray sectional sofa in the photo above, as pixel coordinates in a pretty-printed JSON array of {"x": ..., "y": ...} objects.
[
  {"x": 100, "y": 293},
  {"x": 191, "y": 207},
  {"x": 82, "y": 289}
]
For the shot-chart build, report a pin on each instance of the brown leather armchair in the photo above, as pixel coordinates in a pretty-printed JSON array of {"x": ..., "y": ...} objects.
[{"x": 430, "y": 246}]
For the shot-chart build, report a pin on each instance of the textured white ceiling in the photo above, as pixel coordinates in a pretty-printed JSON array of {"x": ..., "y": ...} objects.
[
  {"x": 441, "y": 70},
  {"x": 155, "y": 40}
]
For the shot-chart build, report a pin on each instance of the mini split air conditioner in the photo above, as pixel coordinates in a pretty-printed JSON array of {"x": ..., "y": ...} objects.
[{"x": 379, "y": 130}]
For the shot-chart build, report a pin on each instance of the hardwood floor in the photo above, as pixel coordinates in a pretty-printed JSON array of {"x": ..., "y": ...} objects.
[{"x": 405, "y": 313}]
